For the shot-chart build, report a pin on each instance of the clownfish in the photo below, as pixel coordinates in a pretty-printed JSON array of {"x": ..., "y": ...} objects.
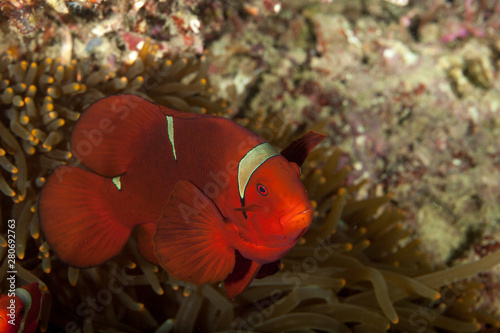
[
  {"x": 209, "y": 200},
  {"x": 20, "y": 311}
]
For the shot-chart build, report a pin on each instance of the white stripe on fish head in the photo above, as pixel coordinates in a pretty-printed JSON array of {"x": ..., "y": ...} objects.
[{"x": 251, "y": 162}]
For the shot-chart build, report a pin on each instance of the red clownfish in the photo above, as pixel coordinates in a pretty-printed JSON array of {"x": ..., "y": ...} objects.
[
  {"x": 210, "y": 200},
  {"x": 20, "y": 311}
]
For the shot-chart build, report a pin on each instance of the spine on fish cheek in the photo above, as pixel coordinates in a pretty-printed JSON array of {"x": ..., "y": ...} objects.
[{"x": 242, "y": 200}]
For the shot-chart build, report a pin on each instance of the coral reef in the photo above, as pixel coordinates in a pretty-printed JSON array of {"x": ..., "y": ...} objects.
[
  {"x": 356, "y": 269},
  {"x": 419, "y": 116},
  {"x": 409, "y": 91}
]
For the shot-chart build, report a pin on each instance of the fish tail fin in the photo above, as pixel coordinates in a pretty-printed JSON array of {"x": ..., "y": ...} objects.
[{"x": 78, "y": 218}]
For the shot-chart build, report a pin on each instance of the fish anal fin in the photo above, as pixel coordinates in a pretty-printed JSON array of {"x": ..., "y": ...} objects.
[
  {"x": 298, "y": 150},
  {"x": 190, "y": 240},
  {"x": 109, "y": 132},
  {"x": 269, "y": 269},
  {"x": 144, "y": 235},
  {"x": 76, "y": 219},
  {"x": 243, "y": 274}
]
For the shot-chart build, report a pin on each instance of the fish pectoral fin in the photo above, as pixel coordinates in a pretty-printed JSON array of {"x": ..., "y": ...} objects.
[
  {"x": 243, "y": 274},
  {"x": 190, "y": 240},
  {"x": 298, "y": 150}
]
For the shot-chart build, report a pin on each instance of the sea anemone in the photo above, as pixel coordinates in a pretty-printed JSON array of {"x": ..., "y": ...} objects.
[{"x": 358, "y": 269}]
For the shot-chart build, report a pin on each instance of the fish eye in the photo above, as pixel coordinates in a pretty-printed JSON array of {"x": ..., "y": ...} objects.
[
  {"x": 262, "y": 190},
  {"x": 20, "y": 313}
]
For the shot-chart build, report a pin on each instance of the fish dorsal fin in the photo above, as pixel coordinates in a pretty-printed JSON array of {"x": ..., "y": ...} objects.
[
  {"x": 241, "y": 277},
  {"x": 190, "y": 240},
  {"x": 298, "y": 150},
  {"x": 108, "y": 133},
  {"x": 251, "y": 161}
]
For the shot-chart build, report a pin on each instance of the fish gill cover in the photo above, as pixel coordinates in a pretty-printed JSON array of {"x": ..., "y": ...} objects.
[{"x": 360, "y": 268}]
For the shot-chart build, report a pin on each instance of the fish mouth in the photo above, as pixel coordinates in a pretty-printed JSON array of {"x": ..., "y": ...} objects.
[
  {"x": 270, "y": 247},
  {"x": 298, "y": 221}
]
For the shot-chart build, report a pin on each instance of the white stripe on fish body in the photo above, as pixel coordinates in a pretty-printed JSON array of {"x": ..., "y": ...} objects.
[
  {"x": 117, "y": 183},
  {"x": 170, "y": 131}
]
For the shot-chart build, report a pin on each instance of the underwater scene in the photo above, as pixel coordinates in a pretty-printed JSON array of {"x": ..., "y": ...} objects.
[{"x": 249, "y": 166}]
